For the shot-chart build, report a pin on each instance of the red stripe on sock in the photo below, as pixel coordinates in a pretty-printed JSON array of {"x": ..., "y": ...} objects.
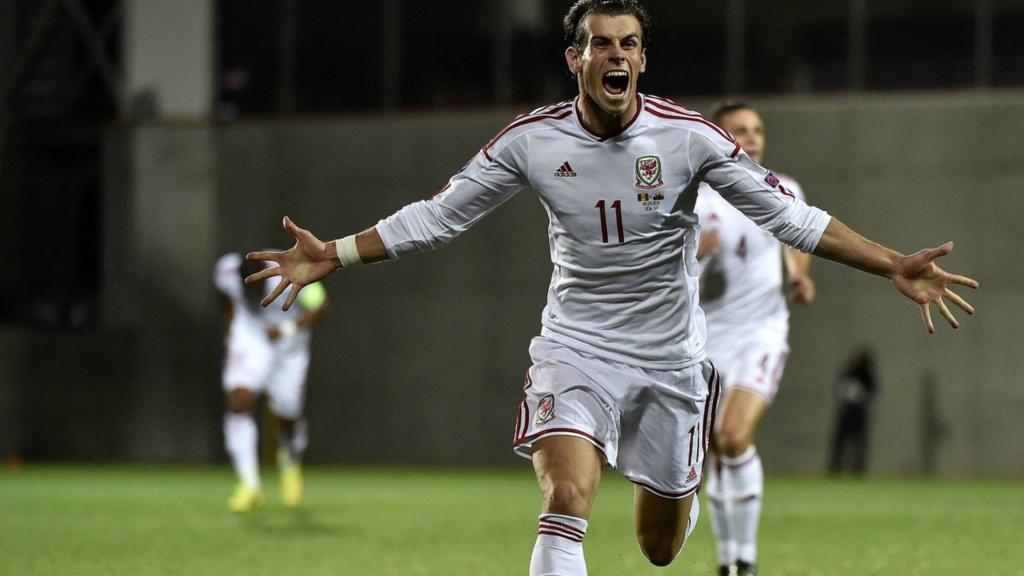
[
  {"x": 560, "y": 535},
  {"x": 557, "y": 525}
]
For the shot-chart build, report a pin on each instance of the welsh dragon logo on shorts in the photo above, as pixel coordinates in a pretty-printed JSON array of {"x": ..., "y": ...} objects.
[{"x": 545, "y": 410}]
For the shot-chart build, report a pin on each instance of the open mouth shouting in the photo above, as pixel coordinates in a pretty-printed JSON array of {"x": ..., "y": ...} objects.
[{"x": 615, "y": 82}]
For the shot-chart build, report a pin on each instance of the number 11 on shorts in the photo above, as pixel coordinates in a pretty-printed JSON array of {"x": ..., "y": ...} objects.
[{"x": 693, "y": 436}]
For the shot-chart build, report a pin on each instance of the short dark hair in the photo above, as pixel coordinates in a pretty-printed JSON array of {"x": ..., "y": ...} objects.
[
  {"x": 723, "y": 108},
  {"x": 574, "y": 31}
]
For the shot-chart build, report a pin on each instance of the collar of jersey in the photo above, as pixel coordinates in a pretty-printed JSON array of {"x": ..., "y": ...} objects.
[{"x": 632, "y": 121}]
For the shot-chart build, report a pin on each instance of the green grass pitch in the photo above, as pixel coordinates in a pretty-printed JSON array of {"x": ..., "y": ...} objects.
[{"x": 89, "y": 520}]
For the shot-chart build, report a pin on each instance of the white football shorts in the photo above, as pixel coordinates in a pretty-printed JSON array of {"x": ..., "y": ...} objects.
[
  {"x": 278, "y": 370},
  {"x": 751, "y": 360},
  {"x": 651, "y": 425}
]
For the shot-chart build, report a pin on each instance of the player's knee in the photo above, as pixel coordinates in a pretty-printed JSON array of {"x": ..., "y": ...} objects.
[
  {"x": 732, "y": 440},
  {"x": 241, "y": 400},
  {"x": 567, "y": 497},
  {"x": 660, "y": 549}
]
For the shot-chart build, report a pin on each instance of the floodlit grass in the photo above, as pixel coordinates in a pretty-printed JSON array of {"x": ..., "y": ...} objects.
[{"x": 79, "y": 520}]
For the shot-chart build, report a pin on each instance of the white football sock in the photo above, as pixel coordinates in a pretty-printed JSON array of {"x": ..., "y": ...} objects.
[
  {"x": 694, "y": 516},
  {"x": 718, "y": 507},
  {"x": 559, "y": 547},
  {"x": 745, "y": 479},
  {"x": 292, "y": 444},
  {"x": 240, "y": 441}
]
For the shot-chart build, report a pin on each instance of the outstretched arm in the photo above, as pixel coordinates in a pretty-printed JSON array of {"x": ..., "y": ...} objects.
[
  {"x": 493, "y": 176},
  {"x": 916, "y": 276},
  {"x": 311, "y": 259}
]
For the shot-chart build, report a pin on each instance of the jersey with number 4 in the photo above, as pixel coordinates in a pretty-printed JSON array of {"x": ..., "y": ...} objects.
[
  {"x": 742, "y": 279},
  {"x": 620, "y": 213}
]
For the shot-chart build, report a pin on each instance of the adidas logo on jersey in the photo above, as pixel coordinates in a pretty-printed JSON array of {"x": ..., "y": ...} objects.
[
  {"x": 565, "y": 171},
  {"x": 692, "y": 475}
]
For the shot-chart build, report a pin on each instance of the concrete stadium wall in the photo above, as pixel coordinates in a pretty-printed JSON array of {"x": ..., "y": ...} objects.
[
  {"x": 911, "y": 172},
  {"x": 421, "y": 362}
]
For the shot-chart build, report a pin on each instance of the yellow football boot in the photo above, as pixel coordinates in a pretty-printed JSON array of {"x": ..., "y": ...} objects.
[
  {"x": 245, "y": 499},
  {"x": 291, "y": 486}
]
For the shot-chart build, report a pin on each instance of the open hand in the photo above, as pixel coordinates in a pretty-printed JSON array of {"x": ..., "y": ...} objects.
[
  {"x": 801, "y": 289},
  {"x": 920, "y": 279},
  {"x": 299, "y": 266}
]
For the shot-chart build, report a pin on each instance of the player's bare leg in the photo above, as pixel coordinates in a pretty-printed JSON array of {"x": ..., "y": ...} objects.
[
  {"x": 240, "y": 441},
  {"x": 568, "y": 472},
  {"x": 741, "y": 413},
  {"x": 662, "y": 524},
  {"x": 736, "y": 482}
]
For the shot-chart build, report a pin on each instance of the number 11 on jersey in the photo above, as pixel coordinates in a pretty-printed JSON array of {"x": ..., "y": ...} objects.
[{"x": 617, "y": 206}]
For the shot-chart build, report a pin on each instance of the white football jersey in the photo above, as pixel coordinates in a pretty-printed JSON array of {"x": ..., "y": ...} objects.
[
  {"x": 249, "y": 321},
  {"x": 741, "y": 282},
  {"x": 620, "y": 212}
]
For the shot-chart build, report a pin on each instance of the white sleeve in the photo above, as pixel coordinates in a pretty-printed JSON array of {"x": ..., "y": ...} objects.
[
  {"x": 489, "y": 180},
  {"x": 757, "y": 193}
]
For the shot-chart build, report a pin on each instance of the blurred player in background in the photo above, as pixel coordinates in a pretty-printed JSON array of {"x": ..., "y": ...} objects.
[
  {"x": 267, "y": 352},
  {"x": 619, "y": 376},
  {"x": 747, "y": 329}
]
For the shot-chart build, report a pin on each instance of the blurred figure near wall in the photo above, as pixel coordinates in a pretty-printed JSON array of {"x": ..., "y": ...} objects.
[
  {"x": 933, "y": 426},
  {"x": 855, "y": 389}
]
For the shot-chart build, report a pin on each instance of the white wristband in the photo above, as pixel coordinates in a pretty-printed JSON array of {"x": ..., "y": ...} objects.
[
  {"x": 287, "y": 328},
  {"x": 348, "y": 255}
]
